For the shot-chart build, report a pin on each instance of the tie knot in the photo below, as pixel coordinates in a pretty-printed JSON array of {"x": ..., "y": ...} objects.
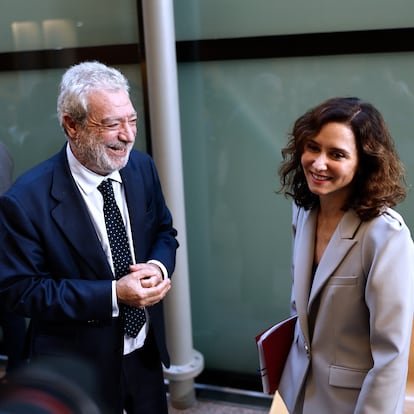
[{"x": 105, "y": 187}]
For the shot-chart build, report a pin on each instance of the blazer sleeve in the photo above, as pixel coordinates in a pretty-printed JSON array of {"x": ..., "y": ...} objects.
[
  {"x": 153, "y": 231},
  {"x": 388, "y": 256},
  {"x": 165, "y": 245},
  {"x": 40, "y": 276}
]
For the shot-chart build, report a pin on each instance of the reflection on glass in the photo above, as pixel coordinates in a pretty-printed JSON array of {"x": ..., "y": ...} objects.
[
  {"x": 26, "y": 35},
  {"x": 59, "y": 33},
  {"x": 49, "y": 34}
]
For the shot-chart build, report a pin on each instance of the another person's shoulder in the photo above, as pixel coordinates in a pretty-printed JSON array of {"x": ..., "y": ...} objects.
[
  {"x": 5, "y": 156},
  {"x": 34, "y": 179}
]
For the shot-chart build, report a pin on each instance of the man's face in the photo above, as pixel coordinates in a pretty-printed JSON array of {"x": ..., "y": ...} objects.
[{"x": 104, "y": 143}]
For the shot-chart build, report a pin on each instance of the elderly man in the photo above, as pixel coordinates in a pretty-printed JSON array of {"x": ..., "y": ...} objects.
[{"x": 88, "y": 246}]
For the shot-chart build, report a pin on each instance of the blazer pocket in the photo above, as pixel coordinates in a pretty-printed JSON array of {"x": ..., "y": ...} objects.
[
  {"x": 343, "y": 280},
  {"x": 346, "y": 377}
]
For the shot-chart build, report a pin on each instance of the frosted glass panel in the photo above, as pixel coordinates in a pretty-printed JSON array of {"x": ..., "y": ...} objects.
[
  {"x": 40, "y": 25},
  {"x": 204, "y": 19},
  {"x": 235, "y": 120}
]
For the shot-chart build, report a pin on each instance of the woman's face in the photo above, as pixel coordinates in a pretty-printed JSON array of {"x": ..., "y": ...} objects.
[{"x": 330, "y": 161}]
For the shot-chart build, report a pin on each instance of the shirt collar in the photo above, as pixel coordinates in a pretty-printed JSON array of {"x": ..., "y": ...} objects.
[{"x": 86, "y": 179}]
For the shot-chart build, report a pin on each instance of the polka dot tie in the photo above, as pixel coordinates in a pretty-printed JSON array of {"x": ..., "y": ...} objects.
[{"x": 134, "y": 318}]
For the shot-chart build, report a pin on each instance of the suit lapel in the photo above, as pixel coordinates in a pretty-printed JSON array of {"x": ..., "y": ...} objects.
[
  {"x": 71, "y": 216},
  {"x": 136, "y": 198},
  {"x": 303, "y": 261},
  {"x": 338, "y": 247},
  {"x": 306, "y": 291}
]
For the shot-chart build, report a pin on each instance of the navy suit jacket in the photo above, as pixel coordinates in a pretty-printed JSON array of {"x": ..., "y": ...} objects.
[{"x": 53, "y": 268}]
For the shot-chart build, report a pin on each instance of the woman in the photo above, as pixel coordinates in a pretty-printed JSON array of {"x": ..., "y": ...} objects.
[{"x": 352, "y": 264}]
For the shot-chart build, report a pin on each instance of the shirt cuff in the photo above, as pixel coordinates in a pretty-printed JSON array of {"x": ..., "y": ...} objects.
[
  {"x": 161, "y": 266},
  {"x": 115, "y": 307}
]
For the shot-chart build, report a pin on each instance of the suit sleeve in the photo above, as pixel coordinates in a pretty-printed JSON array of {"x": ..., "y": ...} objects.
[
  {"x": 164, "y": 244},
  {"x": 29, "y": 286},
  {"x": 389, "y": 265}
]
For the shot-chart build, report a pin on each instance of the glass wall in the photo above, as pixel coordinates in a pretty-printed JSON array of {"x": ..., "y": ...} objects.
[
  {"x": 49, "y": 24},
  {"x": 210, "y": 19}
]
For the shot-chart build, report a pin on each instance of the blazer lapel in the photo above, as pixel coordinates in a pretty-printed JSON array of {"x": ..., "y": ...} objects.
[
  {"x": 71, "y": 215},
  {"x": 303, "y": 261},
  {"x": 338, "y": 247},
  {"x": 136, "y": 198}
]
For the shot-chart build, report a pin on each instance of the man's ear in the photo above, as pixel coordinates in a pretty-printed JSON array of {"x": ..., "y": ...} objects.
[{"x": 70, "y": 125}]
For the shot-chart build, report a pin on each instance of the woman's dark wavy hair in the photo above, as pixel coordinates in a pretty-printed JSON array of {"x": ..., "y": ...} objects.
[{"x": 380, "y": 179}]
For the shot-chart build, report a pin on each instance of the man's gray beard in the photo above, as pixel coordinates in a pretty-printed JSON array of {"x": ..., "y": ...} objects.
[{"x": 92, "y": 154}]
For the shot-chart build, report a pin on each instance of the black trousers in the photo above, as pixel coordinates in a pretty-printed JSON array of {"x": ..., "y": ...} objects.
[{"x": 142, "y": 384}]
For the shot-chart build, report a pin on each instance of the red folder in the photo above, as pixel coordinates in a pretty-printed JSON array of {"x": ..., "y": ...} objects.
[{"x": 273, "y": 345}]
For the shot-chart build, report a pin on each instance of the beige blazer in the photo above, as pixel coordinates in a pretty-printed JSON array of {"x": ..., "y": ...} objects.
[{"x": 360, "y": 304}]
